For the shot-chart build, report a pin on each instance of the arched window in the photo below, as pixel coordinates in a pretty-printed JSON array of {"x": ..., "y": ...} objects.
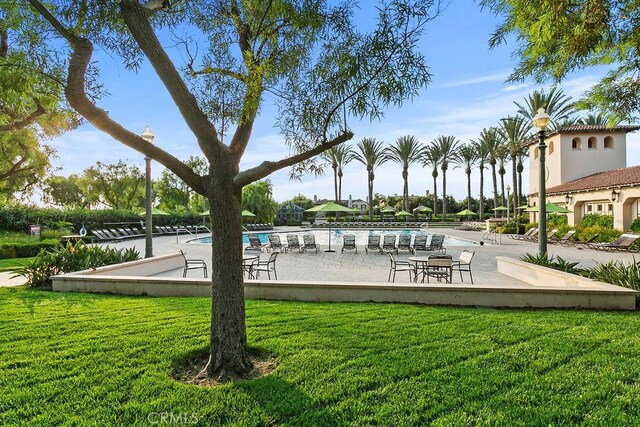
[
  {"x": 592, "y": 143},
  {"x": 550, "y": 147},
  {"x": 576, "y": 144},
  {"x": 608, "y": 143}
]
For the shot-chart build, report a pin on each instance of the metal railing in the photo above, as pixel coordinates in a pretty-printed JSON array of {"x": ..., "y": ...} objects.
[{"x": 197, "y": 227}]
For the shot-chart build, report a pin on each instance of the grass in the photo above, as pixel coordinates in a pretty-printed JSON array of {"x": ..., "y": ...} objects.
[
  {"x": 13, "y": 237},
  {"x": 78, "y": 359},
  {"x": 14, "y": 263}
]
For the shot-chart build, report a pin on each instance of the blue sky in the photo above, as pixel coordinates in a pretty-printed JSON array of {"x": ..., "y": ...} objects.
[{"x": 467, "y": 94}]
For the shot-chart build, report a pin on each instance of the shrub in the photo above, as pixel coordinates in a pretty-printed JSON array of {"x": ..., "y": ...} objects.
[
  {"x": 592, "y": 220},
  {"x": 26, "y": 249},
  {"x": 72, "y": 257},
  {"x": 557, "y": 220},
  {"x": 618, "y": 273},
  {"x": 605, "y": 234},
  {"x": 635, "y": 225},
  {"x": 53, "y": 234},
  {"x": 557, "y": 263}
]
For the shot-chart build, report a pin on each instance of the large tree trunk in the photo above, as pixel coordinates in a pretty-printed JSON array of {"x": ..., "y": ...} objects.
[
  {"x": 502, "y": 172},
  {"x": 444, "y": 195},
  {"x": 435, "y": 191},
  {"x": 229, "y": 354},
  {"x": 520, "y": 193},
  {"x": 371, "y": 177},
  {"x": 494, "y": 175},
  {"x": 468, "y": 171}
]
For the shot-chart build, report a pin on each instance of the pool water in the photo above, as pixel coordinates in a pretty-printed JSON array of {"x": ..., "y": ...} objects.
[{"x": 362, "y": 236}]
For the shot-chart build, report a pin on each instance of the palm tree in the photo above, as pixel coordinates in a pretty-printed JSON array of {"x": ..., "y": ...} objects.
[
  {"x": 431, "y": 158},
  {"x": 446, "y": 146},
  {"x": 502, "y": 159},
  {"x": 405, "y": 151},
  {"x": 490, "y": 142},
  {"x": 597, "y": 119},
  {"x": 558, "y": 106},
  {"x": 483, "y": 158},
  {"x": 466, "y": 157},
  {"x": 515, "y": 131},
  {"x": 371, "y": 154},
  {"x": 339, "y": 156}
]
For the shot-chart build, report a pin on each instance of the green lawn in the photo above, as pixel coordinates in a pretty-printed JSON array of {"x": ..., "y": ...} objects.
[
  {"x": 14, "y": 263},
  {"x": 77, "y": 359}
]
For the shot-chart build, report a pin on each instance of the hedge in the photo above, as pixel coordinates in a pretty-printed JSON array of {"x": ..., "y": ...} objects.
[
  {"x": 19, "y": 217},
  {"x": 23, "y": 250}
]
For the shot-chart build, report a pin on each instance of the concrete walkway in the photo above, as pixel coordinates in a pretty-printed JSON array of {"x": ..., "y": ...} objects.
[
  {"x": 7, "y": 280},
  {"x": 374, "y": 267}
]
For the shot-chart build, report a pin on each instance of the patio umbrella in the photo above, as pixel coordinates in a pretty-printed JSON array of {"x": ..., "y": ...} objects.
[
  {"x": 550, "y": 208},
  {"x": 402, "y": 214},
  {"x": 466, "y": 212},
  {"x": 247, "y": 214},
  {"x": 522, "y": 207},
  {"x": 205, "y": 213},
  {"x": 500, "y": 208},
  {"x": 329, "y": 207},
  {"x": 422, "y": 208},
  {"x": 385, "y": 210},
  {"x": 155, "y": 211}
]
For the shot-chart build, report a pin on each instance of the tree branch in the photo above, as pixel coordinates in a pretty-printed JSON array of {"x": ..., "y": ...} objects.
[
  {"x": 30, "y": 119},
  {"x": 82, "y": 49},
  {"x": 266, "y": 168},
  {"x": 135, "y": 17}
]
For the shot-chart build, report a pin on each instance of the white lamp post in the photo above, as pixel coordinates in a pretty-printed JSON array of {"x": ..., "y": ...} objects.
[
  {"x": 148, "y": 136},
  {"x": 541, "y": 121}
]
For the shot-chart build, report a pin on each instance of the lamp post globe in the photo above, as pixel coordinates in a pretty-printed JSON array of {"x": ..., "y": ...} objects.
[
  {"x": 148, "y": 136},
  {"x": 541, "y": 121}
]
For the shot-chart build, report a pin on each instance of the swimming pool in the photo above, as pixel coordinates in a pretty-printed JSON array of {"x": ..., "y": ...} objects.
[{"x": 362, "y": 236}]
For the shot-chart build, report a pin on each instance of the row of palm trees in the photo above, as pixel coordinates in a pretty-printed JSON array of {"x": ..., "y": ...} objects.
[{"x": 493, "y": 149}]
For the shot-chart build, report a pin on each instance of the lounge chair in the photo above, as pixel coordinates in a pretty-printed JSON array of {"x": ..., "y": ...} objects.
[
  {"x": 349, "y": 243},
  {"x": 581, "y": 245},
  {"x": 623, "y": 243},
  {"x": 532, "y": 237},
  {"x": 310, "y": 242},
  {"x": 400, "y": 266},
  {"x": 404, "y": 243},
  {"x": 268, "y": 266},
  {"x": 255, "y": 243},
  {"x": 389, "y": 243},
  {"x": 275, "y": 244},
  {"x": 294, "y": 243},
  {"x": 373, "y": 243},
  {"x": 193, "y": 264},
  {"x": 523, "y": 236},
  {"x": 463, "y": 263},
  {"x": 569, "y": 234},
  {"x": 435, "y": 245},
  {"x": 419, "y": 243}
]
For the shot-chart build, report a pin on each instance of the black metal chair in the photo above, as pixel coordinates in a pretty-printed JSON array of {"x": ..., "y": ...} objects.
[
  {"x": 400, "y": 266},
  {"x": 349, "y": 243},
  {"x": 373, "y": 243},
  {"x": 193, "y": 264},
  {"x": 389, "y": 243},
  {"x": 275, "y": 244},
  {"x": 439, "y": 267}
]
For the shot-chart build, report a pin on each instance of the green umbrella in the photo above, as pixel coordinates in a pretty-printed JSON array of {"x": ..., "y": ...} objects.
[
  {"x": 244, "y": 213},
  {"x": 500, "y": 208},
  {"x": 550, "y": 208},
  {"x": 522, "y": 207},
  {"x": 155, "y": 211},
  {"x": 422, "y": 208},
  {"x": 403, "y": 213},
  {"x": 329, "y": 207},
  {"x": 387, "y": 209},
  {"x": 466, "y": 212}
]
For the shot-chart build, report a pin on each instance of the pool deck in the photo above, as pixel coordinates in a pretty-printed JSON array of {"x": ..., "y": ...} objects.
[{"x": 374, "y": 267}]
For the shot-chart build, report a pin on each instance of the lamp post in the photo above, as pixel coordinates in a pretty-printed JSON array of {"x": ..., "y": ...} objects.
[
  {"x": 148, "y": 136},
  {"x": 541, "y": 121}
]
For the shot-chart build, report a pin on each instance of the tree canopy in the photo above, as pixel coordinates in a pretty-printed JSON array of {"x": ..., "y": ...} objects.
[{"x": 556, "y": 37}]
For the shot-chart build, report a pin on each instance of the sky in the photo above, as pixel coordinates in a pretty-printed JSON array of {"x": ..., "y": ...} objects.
[{"x": 467, "y": 94}]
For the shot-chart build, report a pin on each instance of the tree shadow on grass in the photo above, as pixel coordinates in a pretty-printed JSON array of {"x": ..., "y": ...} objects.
[{"x": 278, "y": 399}]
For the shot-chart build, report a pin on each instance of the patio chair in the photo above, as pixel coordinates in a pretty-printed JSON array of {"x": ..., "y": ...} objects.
[
  {"x": 294, "y": 243},
  {"x": 275, "y": 244},
  {"x": 310, "y": 242},
  {"x": 400, "y": 266},
  {"x": 435, "y": 245},
  {"x": 568, "y": 235},
  {"x": 581, "y": 245},
  {"x": 404, "y": 243},
  {"x": 249, "y": 265},
  {"x": 623, "y": 243},
  {"x": 193, "y": 264},
  {"x": 389, "y": 243},
  {"x": 463, "y": 263},
  {"x": 268, "y": 266},
  {"x": 255, "y": 243},
  {"x": 531, "y": 234},
  {"x": 419, "y": 243},
  {"x": 522, "y": 236},
  {"x": 439, "y": 267},
  {"x": 349, "y": 243},
  {"x": 373, "y": 243}
]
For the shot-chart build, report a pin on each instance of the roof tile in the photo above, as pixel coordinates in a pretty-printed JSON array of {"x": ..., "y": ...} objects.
[{"x": 608, "y": 179}]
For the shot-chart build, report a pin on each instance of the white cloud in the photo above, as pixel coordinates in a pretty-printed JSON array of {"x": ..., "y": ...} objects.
[{"x": 497, "y": 77}]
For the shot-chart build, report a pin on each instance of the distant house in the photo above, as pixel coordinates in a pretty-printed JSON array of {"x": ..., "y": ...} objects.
[
  {"x": 587, "y": 173},
  {"x": 290, "y": 212},
  {"x": 350, "y": 203}
]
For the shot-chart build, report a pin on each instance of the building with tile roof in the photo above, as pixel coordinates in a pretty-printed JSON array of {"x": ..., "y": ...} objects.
[{"x": 587, "y": 173}]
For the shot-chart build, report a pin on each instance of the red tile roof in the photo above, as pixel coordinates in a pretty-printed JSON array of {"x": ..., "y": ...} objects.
[{"x": 602, "y": 180}]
